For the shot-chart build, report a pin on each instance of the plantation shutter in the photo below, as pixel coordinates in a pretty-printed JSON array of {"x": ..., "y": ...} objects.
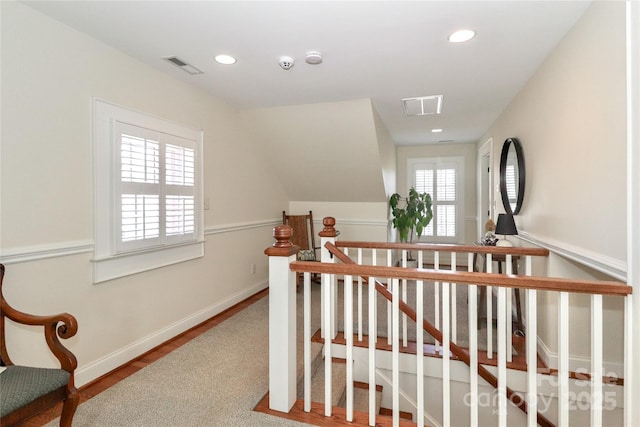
[
  {"x": 155, "y": 188},
  {"x": 439, "y": 179}
]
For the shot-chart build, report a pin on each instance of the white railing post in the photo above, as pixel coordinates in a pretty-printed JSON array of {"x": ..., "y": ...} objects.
[
  {"x": 282, "y": 321},
  {"x": 329, "y": 308},
  {"x": 328, "y": 235}
]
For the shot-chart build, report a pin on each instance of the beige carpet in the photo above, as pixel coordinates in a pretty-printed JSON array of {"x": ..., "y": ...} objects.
[{"x": 214, "y": 380}]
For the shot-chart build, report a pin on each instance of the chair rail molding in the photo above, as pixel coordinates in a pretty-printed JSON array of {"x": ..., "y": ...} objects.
[
  {"x": 611, "y": 266},
  {"x": 241, "y": 226},
  {"x": 63, "y": 249},
  {"x": 45, "y": 251}
]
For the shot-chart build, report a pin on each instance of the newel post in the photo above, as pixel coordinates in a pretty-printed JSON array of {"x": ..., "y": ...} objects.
[
  {"x": 282, "y": 320},
  {"x": 328, "y": 282}
]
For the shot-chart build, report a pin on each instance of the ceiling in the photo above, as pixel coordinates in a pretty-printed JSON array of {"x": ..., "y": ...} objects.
[{"x": 382, "y": 50}]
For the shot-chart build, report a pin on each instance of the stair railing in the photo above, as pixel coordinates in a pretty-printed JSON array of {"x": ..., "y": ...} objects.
[{"x": 282, "y": 299}]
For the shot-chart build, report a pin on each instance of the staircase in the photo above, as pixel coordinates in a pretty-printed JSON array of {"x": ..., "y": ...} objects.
[
  {"x": 339, "y": 393},
  {"x": 401, "y": 373}
]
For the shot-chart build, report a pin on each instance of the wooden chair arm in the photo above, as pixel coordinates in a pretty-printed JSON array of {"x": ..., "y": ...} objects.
[{"x": 56, "y": 326}]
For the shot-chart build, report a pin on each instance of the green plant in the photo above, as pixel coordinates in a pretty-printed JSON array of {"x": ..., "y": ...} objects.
[{"x": 411, "y": 214}]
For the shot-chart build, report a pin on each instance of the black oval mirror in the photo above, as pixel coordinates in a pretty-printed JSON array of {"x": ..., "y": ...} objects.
[{"x": 512, "y": 175}]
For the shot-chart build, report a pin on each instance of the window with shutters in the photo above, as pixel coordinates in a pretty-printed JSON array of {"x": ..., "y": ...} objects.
[
  {"x": 441, "y": 178},
  {"x": 148, "y": 192}
]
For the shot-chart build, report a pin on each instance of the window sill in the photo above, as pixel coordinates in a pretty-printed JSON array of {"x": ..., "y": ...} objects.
[{"x": 121, "y": 265}]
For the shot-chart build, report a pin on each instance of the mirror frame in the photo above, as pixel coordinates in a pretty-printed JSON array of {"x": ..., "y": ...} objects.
[{"x": 521, "y": 175}]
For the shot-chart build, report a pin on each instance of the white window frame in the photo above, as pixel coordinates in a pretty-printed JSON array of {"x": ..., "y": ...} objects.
[
  {"x": 112, "y": 257},
  {"x": 457, "y": 162}
]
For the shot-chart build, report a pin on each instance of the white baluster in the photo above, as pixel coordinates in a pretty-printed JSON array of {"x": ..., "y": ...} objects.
[
  {"x": 563, "y": 359},
  {"x": 373, "y": 314},
  {"x": 489, "y": 313},
  {"x": 436, "y": 296},
  {"x": 532, "y": 351},
  {"x": 473, "y": 346},
  {"x": 596, "y": 360},
  {"x": 348, "y": 332},
  {"x": 360, "y": 325},
  {"x": 372, "y": 351},
  {"x": 509, "y": 270},
  {"x": 395, "y": 354},
  {"x": 446, "y": 366},
  {"x": 307, "y": 342},
  {"x": 502, "y": 357},
  {"x": 630, "y": 359},
  {"x": 404, "y": 299},
  {"x": 454, "y": 303},
  {"x": 419, "y": 349},
  {"x": 390, "y": 287},
  {"x": 327, "y": 291}
]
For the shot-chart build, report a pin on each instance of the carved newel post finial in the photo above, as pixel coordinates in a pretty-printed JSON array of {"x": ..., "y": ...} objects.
[
  {"x": 282, "y": 234},
  {"x": 282, "y": 246},
  {"x": 329, "y": 229}
]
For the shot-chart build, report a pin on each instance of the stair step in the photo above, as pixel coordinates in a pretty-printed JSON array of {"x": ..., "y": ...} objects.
[
  {"x": 361, "y": 398},
  {"x": 385, "y": 412},
  {"x": 338, "y": 381},
  {"x": 317, "y": 359}
]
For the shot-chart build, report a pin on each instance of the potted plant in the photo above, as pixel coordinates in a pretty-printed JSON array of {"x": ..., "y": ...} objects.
[{"x": 411, "y": 214}]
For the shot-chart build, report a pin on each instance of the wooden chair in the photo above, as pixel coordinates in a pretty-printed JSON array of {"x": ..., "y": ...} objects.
[
  {"x": 27, "y": 391},
  {"x": 303, "y": 237}
]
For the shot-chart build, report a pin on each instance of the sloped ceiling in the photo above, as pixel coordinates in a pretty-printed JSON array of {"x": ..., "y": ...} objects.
[{"x": 322, "y": 152}]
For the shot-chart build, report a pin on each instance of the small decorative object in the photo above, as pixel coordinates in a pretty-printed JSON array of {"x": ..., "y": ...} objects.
[
  {"x": 490, "y": 238},
  {"x": 507, "y": 227}
]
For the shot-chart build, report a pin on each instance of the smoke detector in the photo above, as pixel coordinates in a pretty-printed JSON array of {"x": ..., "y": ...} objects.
[
  {"x": 286, "y": 62},
  {"x": 313, "y": 58}
]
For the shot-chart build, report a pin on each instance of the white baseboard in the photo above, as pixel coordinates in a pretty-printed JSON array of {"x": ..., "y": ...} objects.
[
  {"x": 577, "y": 364},
  {"x": 108, "y": 363}
]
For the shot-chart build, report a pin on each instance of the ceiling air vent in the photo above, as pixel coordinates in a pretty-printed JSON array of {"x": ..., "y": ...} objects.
[
  {"x": 183, "y": 65},
  {"x": 422, "y": 105}
]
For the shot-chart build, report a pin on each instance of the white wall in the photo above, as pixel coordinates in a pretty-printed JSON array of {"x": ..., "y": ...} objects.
[
  {"x": 387, "y": 150},
  {"x": 570, "y": 118},
  {"x": 322, "y": 152},
  {"x": 49, "y": 75}
]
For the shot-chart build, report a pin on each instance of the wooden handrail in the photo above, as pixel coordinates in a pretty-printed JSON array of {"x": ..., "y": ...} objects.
[
  {"x": 458, "y": 351},
  {"x": 485, "y": 279},
  {"x": 502, "y": 250}
]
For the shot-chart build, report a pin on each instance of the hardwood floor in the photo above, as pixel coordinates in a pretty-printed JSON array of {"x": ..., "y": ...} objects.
[{"x": 99, "y": 385}]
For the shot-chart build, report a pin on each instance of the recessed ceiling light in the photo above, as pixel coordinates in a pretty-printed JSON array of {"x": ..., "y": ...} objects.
[
  {"x": 436, "y": 130},
  {"x": 225, "y": 59},
  {"x": 461, "y": 36}
]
